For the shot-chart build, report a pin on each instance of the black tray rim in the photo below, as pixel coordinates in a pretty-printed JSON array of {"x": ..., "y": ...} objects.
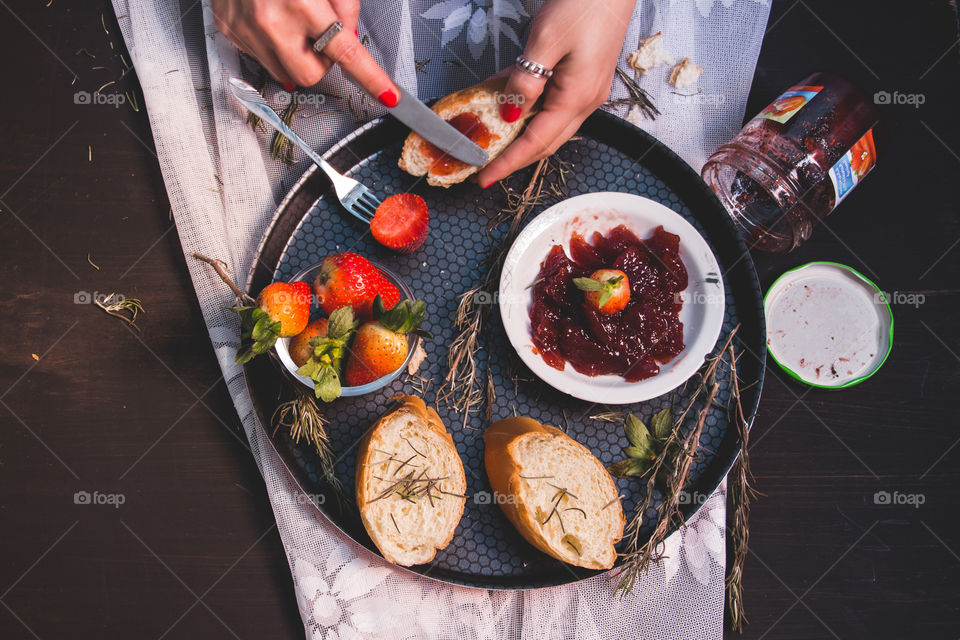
[{"x": 260, "y": 275}]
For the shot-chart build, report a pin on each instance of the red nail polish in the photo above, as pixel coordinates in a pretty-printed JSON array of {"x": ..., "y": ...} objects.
[
  {"x": 388, "y": 99},
  {"x": 289, "y": 86},
  {"x": 357, "y": 32},
  {"x": 487, "y": 186},
  {"x": 509, "y": 112}
]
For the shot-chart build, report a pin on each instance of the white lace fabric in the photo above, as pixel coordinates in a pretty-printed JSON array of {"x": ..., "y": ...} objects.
[{"x": 224, "y": 184}]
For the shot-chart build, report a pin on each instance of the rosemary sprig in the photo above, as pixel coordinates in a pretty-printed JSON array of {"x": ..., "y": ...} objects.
[
  {"x": 259, "y": 84},
  {"x": 741, "y": 493},
  {"x": 638, "y": 97},
  {"x": 118, "y": 306},
  {"x": 303, "y": 418},
  {"x": 461, "y": 388},
  {"x": 281, "y": 147},
  {"x": 674, "y": 460}
]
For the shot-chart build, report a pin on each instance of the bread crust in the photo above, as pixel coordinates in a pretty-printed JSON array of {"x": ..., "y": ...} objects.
[
  {"x": 429, "y": 417},
  {"x": 503, "y": 471},
  {"x": 411, "y": 158}
]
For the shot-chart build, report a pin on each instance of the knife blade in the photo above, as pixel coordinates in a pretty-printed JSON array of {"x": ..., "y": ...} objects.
[{"x": 419, "y": 117}]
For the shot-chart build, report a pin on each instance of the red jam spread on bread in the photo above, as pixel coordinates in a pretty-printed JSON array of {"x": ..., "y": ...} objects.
[
  {"x": 469, "y": 125},
  {"x": 633, "y": 342}
]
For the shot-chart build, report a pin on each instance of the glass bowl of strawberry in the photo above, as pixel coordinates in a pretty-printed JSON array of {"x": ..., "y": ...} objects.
[{"x": 363, "y": 332}]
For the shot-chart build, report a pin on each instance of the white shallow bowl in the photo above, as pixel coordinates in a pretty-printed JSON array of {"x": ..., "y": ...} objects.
[
  {"x": 282, "y": 346},
  {"x": 703, "y": 299}
]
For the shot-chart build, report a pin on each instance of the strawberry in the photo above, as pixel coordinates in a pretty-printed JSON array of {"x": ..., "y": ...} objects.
[
  {"x": 282, "y": 311},
  {"x": 401, "y": 222},
  {"x": 324, "y": 351},
  {"x": 381, "y": 345},
  {"x": 300, "y": 347},
  {"x": 350, "y": 279},
  {"x": 288, "y": 304},
  {"x": 607, "y": 290}
]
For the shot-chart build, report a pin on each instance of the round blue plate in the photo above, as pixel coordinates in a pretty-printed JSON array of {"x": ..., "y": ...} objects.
[{"x": 608, "y": 154}]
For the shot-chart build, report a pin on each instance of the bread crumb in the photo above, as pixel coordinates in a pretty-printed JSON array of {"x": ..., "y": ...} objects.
[
  {"x": 419, "y": 355},
  {"x": 686, "y": 73},
  {"x": 650, "y": 54}
]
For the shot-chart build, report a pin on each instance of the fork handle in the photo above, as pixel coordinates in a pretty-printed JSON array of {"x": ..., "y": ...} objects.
[{"x": 270, "y": 116}]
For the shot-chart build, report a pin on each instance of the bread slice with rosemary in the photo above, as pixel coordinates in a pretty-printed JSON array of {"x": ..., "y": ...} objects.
[
  {"x": 475, "y": 112},
  {"x": 410, "y": 483},
  {"x": 554, "y": 491}
]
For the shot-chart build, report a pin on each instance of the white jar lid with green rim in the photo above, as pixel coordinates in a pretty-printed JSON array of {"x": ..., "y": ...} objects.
[{"x": 828, "y": 325}]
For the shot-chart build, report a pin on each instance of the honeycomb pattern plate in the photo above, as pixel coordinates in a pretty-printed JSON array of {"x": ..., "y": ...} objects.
[{"x": 608, "y": 154}]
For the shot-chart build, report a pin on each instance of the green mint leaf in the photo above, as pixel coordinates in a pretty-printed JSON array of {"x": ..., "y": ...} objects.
[
  {"x": 662, "y": 423},
  {"x": 637, "y": 432},
  {"x": 587, "y": 284}
]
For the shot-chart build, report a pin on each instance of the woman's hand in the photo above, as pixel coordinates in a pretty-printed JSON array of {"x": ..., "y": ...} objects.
[
  {"x": 581, "y": 41},
  {"x": 280, "y": 34}
]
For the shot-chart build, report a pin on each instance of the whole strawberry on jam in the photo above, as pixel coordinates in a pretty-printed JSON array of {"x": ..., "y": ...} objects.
[
  {"x": 381, "y": 345},
  {"x": 282, "y": 310},
  {"x": 401, "y": 222},
  {"x": 606, "y": 290},
  {"x": 349, "y": 279},
  {"x": 319, "y": 349}
]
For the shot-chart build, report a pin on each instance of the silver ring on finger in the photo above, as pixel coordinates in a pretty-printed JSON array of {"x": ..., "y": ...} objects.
[
  {"x": 324, "y": 38},
  {"x": 535, "y": 69}
]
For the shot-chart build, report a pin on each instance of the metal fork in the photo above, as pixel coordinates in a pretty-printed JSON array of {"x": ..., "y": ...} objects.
[{"x": 355, "y": 197}]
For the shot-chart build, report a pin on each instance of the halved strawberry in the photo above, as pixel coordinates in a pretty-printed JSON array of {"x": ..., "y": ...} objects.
[
  {"x": 350, "y": 279},
  {"x": 607, "y": 290},
  {"x": 381, "y": 346},
  {"x": 401, "y": 222}
]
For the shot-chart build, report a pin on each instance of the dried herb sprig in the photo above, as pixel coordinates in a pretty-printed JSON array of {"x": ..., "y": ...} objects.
[
  {"x": 462, "y": 388},
  {"x": 281, "y": 147},
  {"x": 638, "y": 97},
  {"x": 741, "y": 494},
  {"x": 118, "y": 306},
  {"x": 303, "y": 418},
  {"x": 675, "y": 459}
]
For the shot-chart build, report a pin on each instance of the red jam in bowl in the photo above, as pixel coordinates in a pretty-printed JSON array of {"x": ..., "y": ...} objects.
[{"x": 633, "y": 342}]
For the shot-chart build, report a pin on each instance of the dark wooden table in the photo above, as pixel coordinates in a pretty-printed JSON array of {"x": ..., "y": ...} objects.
[{"x": 90, "y": 406}]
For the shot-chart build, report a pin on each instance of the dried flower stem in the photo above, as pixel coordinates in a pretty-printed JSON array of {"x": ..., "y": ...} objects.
[
  {"x": 741, "y": 493},
  {"x": 221, "y": 268},
  {"x": 676, "y": 458},
  {"x": 118, "y": 307},
  {"x": 461, "y": 388}
]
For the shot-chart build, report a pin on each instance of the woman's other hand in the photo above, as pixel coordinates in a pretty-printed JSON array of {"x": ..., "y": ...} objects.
[
  {"x": 280, "y": 35},
  {"x": 581, "y": 41}
]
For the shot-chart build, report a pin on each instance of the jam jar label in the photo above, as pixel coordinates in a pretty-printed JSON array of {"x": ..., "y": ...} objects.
[
  {"x": 791, "y": 101},
  {"x": 856, "y": 163}
]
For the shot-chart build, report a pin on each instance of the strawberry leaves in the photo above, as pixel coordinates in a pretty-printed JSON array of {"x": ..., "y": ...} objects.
[
  {"x": 405, "y": 317},
  {"x": 607, "y": 287},
  {"x": 258, "y": 333},
  {"x": 323, "y": 366}
]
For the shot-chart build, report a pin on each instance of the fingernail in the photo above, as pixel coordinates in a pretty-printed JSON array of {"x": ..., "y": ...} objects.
[
  {"x": 509, "y": 112},
  {"x": 388, "y": 99},
  {"x": 357, "y": 32},
  {"x": 486, "y": 186},
  {"x": 289, "y": 86}
]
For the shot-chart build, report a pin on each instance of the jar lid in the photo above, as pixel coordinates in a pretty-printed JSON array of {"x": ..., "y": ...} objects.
[{"x": 828, "y": 325}]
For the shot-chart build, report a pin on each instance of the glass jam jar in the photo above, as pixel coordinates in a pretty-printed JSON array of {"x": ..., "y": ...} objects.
[{"x": 790, "y": 166}]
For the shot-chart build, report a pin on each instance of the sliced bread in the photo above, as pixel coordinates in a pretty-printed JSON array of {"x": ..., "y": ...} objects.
[
  {"x": 554, "y": 491},
  {"x": 410, "y": 483},
  {"x": 483, "y": 101}
]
